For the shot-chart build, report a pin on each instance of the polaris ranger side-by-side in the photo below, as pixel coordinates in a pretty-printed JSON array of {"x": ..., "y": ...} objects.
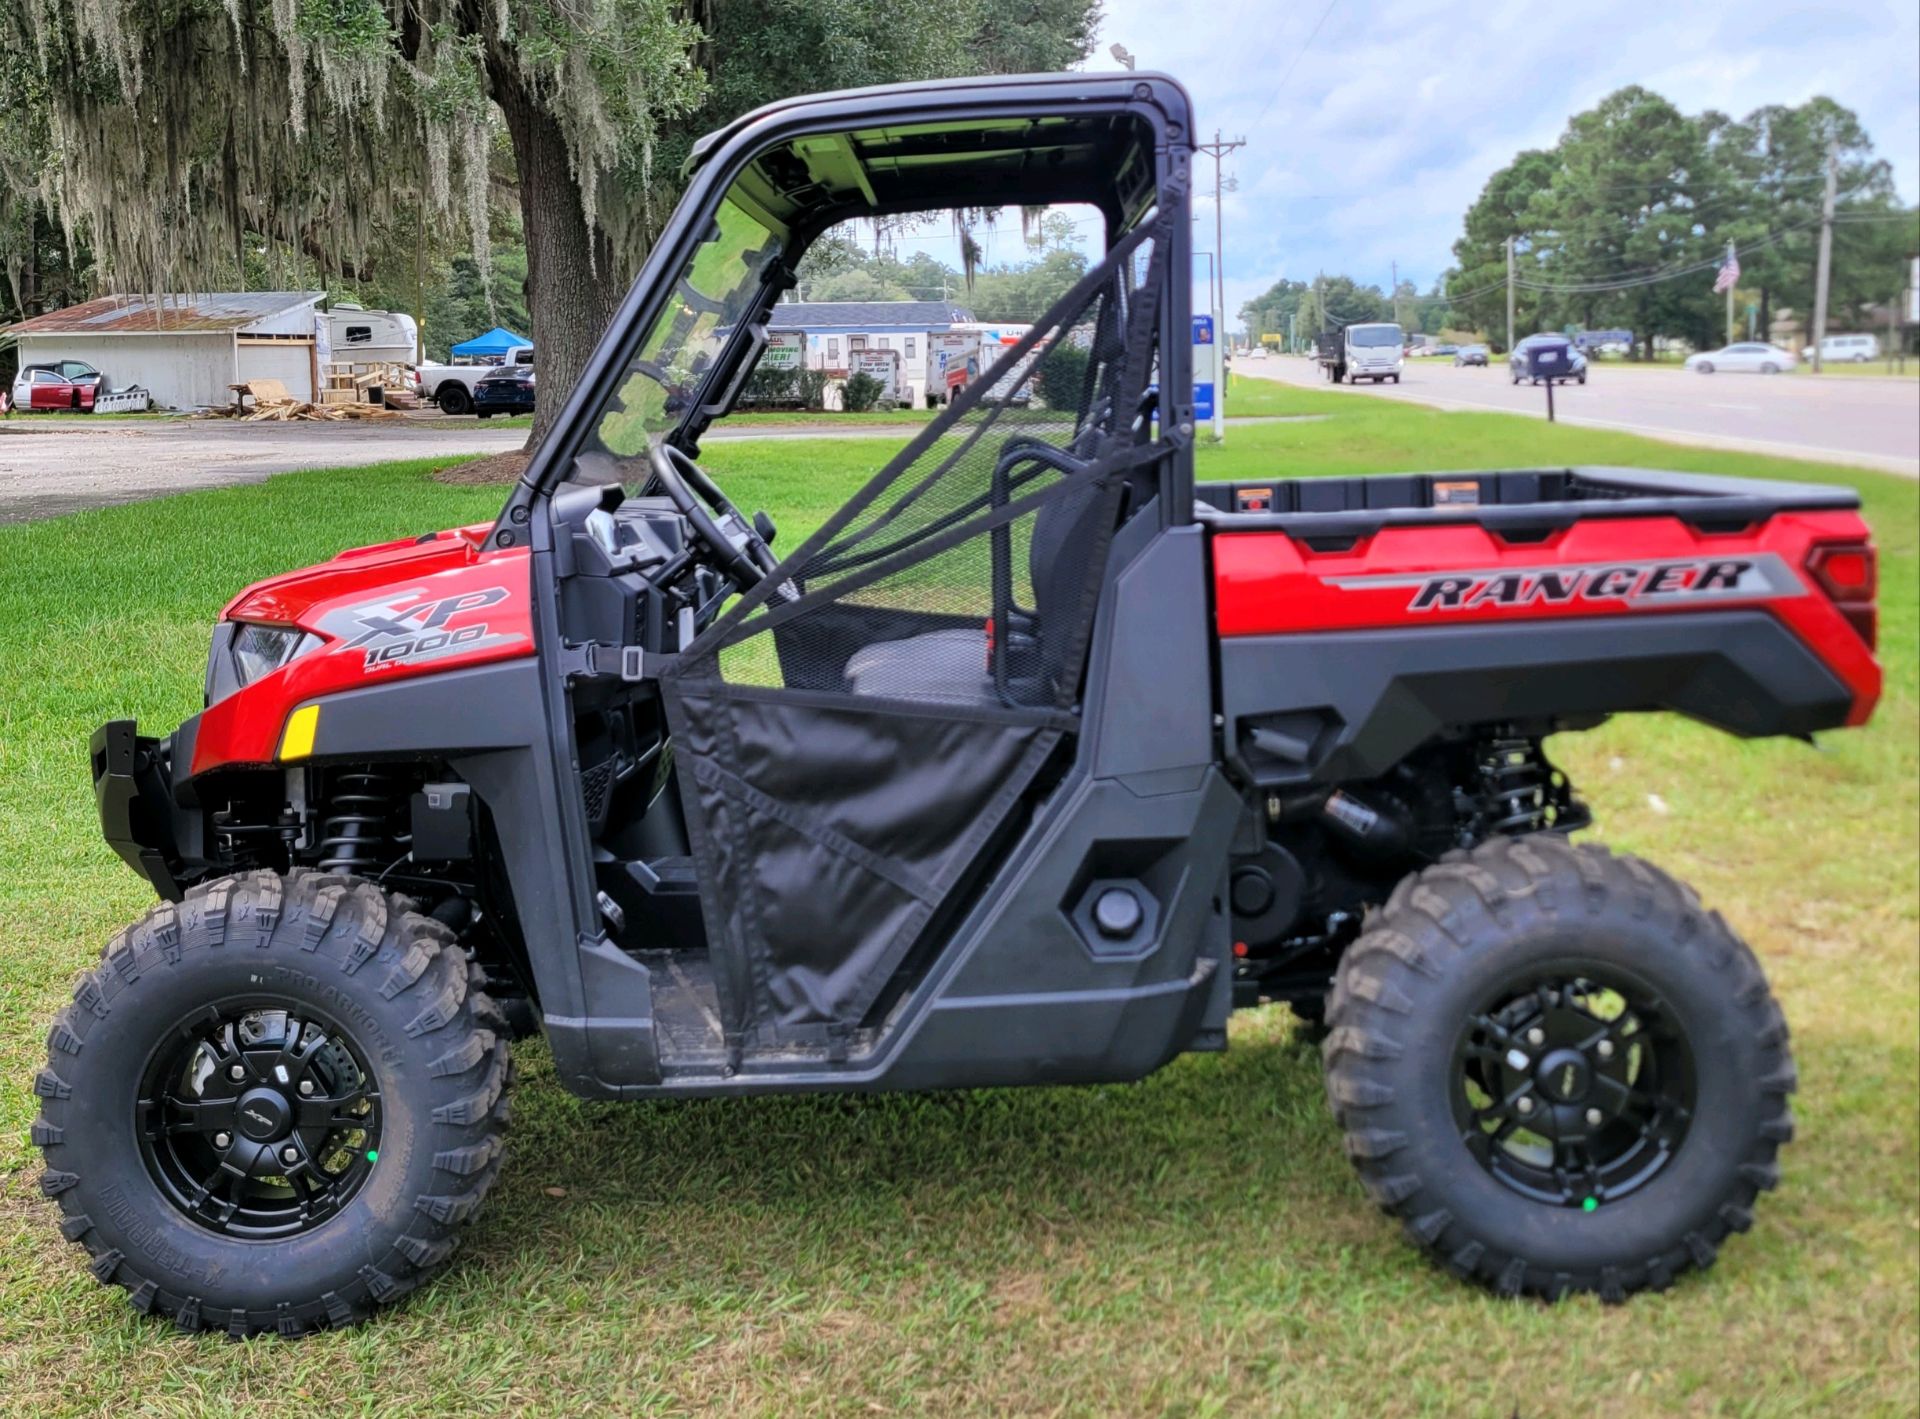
[{"x": 1029, "y": 766}]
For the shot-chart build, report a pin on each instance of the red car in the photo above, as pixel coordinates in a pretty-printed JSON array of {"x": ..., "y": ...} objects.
[{"x": 57, "y": 385}]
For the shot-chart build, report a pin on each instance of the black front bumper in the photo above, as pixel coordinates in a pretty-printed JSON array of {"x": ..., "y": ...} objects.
[{"x": 139, "y": 816}]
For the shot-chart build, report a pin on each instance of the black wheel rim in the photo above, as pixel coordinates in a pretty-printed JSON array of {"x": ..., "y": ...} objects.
[
  {"x": 1573, "y": 1088},
  {"x": 258, "y": 1119}
]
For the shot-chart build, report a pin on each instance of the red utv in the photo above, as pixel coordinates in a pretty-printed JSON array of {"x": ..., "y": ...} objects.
[{"x": 1029, "y": 766}]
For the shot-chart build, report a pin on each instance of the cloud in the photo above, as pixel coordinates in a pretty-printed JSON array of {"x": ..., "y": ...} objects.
[{"x": 1390, "y": 125}]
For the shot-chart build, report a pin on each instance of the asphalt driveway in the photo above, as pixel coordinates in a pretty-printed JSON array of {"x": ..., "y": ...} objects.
[{"x": 49, "y": 468}]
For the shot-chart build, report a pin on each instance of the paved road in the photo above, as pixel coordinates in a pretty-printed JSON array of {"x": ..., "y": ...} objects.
[
  {"x": 1871, "y": 422},
  {"x": 49, "y": 469}
]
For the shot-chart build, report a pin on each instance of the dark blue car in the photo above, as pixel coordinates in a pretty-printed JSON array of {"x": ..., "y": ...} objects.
[{"x": 508, "y": 390}]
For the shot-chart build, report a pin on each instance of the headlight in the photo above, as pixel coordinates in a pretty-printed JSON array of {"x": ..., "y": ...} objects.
[{"x": 261, "y": 650}]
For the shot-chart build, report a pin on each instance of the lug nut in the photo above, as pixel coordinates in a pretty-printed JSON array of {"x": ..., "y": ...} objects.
[
  {"x": 289, "y": 1154},
  {"x": 1593, "y": 1118},
  {"x": 306, "y": 1086},
  {"x": 1604, "y": 1049},
  {"x": 1536, "y": 1037},
  {"x": 1524, "y": 1104},
  {"x": 236, "y": 1072},
  {"x": 222, "y": 1140}
]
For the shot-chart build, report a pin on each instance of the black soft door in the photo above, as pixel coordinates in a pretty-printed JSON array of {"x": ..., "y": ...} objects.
[{"x": 858, "y": 733}]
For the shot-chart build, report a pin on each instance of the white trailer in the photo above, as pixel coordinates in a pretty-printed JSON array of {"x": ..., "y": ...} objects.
[{"x": 354, "y": 333}]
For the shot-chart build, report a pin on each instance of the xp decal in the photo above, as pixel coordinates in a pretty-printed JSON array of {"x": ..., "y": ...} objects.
[
  {"x": 385, "y": 614},
  {"x": 417, "y": 627},
  {"x": 1631, "y": 583}
]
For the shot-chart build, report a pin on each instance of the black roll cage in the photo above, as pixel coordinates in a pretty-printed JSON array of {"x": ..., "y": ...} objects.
[
  {"x": 596, "y": 1000},
  {"x": 1157, "y": 100}
]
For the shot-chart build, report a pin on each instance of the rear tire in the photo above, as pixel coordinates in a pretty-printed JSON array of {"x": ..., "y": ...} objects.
[
  {"x": 1415, "y": 1013},
  {"x": 454, "y": 398},
  {"x": 372, "y": 1007},
  {"x": 1705, "y": 367}
]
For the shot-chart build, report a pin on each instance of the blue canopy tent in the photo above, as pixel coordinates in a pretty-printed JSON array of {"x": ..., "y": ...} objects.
[{"x": 496, "y": 344}]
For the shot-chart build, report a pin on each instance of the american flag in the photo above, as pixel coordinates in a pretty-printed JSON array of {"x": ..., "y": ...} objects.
[{"x": 1729, "y": 273}]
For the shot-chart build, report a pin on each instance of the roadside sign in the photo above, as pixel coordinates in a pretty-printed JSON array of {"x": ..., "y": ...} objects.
[
  {"x": 784, "y": 350},
  {"x": 1203, "y": 364}
]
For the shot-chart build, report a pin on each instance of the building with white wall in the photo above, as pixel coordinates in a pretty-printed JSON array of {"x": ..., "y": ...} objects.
[
  {"x": 186, "y": 349},
  {"x": 836, "y": 330}
]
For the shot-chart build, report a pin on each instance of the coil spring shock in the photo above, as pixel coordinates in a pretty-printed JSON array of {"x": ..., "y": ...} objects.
[
  {"x": 1517, "y": 786},
  {"x": 356, "y": 834}
]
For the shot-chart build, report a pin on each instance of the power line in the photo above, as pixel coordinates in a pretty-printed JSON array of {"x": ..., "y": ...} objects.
[
  {"x": 1656, "y": 276},
  {"x": 1280, "y": 85}
]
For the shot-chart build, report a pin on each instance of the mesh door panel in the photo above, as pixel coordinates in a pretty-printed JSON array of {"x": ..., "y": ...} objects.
[{"x": 855, "y": 730}]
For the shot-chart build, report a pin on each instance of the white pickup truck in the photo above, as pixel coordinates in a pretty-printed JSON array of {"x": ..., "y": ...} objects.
[{"x": 451, "y": 386}]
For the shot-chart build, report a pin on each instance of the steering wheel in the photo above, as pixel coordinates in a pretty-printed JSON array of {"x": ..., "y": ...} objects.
[{"x": 698, "y": 499}]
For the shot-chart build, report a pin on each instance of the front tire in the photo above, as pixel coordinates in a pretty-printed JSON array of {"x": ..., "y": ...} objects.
[
  {"x": 1558, "y": 1070},
  {"x": 273, "y": 1106}
]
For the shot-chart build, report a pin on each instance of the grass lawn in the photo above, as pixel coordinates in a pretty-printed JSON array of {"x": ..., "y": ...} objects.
[
  {"x": 1191, "y": 1245},
  {"x": 906, "y": 414}
]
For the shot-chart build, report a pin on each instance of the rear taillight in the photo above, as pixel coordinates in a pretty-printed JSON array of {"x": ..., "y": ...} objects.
[{"x": 1847, "y": 572}]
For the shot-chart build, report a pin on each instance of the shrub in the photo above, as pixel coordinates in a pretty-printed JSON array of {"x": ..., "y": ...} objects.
[
  {"x": 861, "y": 393},
  {"x": 1061, "y": 375}
]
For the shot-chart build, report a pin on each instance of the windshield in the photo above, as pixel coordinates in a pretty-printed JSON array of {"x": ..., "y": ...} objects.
[
  {"x": 1374, "y": 334},
  {"x": 712, "y": 293}
]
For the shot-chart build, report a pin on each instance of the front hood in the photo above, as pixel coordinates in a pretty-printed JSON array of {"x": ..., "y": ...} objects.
[
  {"x": 290, "y": 598},
  {"x": 420, "y": 606}
]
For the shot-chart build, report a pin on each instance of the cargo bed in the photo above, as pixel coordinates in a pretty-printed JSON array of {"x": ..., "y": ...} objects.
[{"x": 1507, "y": 499}]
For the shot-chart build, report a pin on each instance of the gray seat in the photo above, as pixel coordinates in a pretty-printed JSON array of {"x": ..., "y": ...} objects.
[
  {"x": 952, "y": 665},
  {"x": 948, "y": 665}
]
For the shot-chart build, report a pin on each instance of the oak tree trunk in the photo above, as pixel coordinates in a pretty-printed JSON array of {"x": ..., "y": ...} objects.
[{"x": 573, "y": 286}]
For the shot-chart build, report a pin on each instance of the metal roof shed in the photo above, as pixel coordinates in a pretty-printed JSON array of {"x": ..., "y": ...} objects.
[{"x": 184, "y": 348}]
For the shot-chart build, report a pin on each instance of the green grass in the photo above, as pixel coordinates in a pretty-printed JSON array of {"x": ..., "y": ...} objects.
[
  {"x": 1191, "y": 1245},
  {"x": 906, "y": 415}
]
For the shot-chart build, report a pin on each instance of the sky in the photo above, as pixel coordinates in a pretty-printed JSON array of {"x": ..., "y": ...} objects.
[{"x": 1388, "y": 126}]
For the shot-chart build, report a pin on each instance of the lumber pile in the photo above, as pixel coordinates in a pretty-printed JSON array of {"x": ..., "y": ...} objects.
[
  {"x": 323, "y": 413},
  {"x": 273, "y": 404}
]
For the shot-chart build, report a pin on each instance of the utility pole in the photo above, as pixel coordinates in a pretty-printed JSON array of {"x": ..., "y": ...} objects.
[
  {"x": 1509, "y": 295},
  {"x": 1217, "y": 150},
  {"x": 1730, "y": 296},
  {"x": 1396, "y": 294},
  {"x": 1826, "y": 254}
]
